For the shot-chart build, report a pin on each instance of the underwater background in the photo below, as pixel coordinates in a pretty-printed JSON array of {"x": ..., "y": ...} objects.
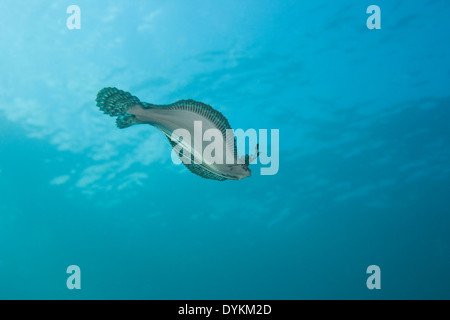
[{"x": 364, "y": 150}]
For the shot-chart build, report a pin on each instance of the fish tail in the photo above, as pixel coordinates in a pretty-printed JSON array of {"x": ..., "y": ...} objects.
[{"x": 116, "y": 102}]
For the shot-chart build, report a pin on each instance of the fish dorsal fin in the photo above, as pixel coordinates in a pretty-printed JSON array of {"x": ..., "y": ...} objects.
[{"x": 206, "y": 111}]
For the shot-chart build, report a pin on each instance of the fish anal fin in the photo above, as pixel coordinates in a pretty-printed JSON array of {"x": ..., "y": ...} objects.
[{"x": 195, "y": 168}]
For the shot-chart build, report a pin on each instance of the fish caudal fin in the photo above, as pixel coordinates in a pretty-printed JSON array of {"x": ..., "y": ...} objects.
[{"x": 116, "y": 102}]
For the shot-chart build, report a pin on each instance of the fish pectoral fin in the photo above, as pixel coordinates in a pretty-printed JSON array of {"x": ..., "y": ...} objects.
[{"x": 255, "y": 156}]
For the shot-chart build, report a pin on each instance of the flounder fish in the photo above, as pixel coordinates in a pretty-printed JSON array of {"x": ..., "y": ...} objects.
[{"x": 183, "y": 114}]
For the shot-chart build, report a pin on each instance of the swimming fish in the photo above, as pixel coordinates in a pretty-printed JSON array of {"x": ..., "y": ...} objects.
[{"x": 183, "y": 114}]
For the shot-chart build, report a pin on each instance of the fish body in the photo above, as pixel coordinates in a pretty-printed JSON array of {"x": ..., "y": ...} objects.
[{"x": 186, "y": 115}]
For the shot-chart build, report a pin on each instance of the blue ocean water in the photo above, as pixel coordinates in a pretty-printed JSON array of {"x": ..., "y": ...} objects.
[{"x": 363, "y": 117}]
